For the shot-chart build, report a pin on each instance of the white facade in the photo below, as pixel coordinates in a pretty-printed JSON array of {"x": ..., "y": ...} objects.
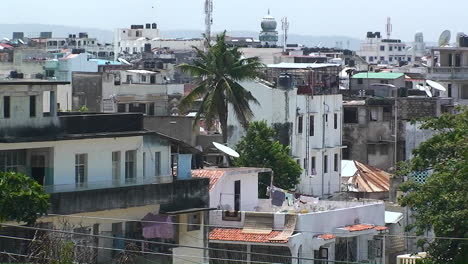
[
  {"x": 449, "y": 67},
  {"x": 330, "y": 218},
  {"x": 280, "y": 106},
  {"x": 376, "y": 50}
]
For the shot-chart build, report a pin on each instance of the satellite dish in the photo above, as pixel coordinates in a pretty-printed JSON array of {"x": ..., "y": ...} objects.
[
  {"x": 6, "y": 39},
  {"x": 226, "y": 150},
  {"x": 420, "y": 87},
  {"x": 124, "y": 61},
  {"x": 425, "y": 89},
  {"x": 20, "y": 41},
  {"x": 444, "y": 39},
  {"x": 436, "y": 85}
]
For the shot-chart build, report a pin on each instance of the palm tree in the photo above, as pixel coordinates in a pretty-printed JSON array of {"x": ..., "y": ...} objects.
[{"x": 218, "y": 72}]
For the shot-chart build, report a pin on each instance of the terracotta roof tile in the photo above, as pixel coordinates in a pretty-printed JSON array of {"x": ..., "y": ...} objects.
[
  {"x": 381, "y": 228},
  {"x": 213, "y": 175},
  {"x": 327, "y": 236},
  {"x": 360, "y": 227},
  {"x": 235, "y": 234}
]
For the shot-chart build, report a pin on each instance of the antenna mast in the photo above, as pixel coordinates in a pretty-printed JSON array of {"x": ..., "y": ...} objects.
[
  {"x": 208, "y": 18},
  {"x": 285, "y": 27},
  {"x": 389, "y": 27}
]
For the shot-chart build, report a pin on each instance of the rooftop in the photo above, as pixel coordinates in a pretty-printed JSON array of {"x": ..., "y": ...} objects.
[
  {"x": 215, "y": 174},
  {"x": 237, "y": 234},
  {"x": 287, "y": 65},
  {"x": 378, "y": 75}
]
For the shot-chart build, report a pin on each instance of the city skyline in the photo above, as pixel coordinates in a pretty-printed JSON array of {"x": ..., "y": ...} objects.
[{"x": 317, "y": 18}]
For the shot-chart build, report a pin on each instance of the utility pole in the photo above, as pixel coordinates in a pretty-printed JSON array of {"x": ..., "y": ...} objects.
[
  {"x": 208, "y": 20},
  {"x": 285, "y": 27}
]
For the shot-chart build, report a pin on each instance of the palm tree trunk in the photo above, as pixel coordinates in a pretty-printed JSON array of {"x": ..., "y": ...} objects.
[{"x": 223, "y": 119}]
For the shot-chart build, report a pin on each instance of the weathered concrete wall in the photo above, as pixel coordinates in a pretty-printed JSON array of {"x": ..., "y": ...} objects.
[
  {"x": 87, "y": 90},
  {"x": 179, "y": 195},
  {"x": 179, "y": 127}
]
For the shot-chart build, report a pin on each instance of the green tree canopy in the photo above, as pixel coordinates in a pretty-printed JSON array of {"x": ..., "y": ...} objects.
[
  {"x": 21, "y": 198},
  {"x": 441, "y": 203},
  {"x": 217, "y": 73},
  {"x": 258, "y": 148}
]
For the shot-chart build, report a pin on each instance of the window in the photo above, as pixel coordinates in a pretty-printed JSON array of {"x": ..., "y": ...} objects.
[
  {"x": 129, "y": 78},
  {"x": 464, "y": 92},
  {"x": 382, "y": 48},
  {"x": 390, "y": 48},
  {"x": 232, "y": 216},
  {"x": 449, "y": 90},
  {"x": 409, "y": 59},
  {"x": 81, "y": 169},
  {"x": 313, "y": 169},
  {"x": 130, "y": 166},
  {"x": 382, "y": 58},
  {"x": 151, "y": 109},
  {"x": 157, "y": 164},
  {"x": 336, "y": 162},
  {"x": 144, "y": 164},
  {"x": 360, "y": 81},
  {"x": 373, "y": 114},
  {"x": 390, "y": 58},
  {"x": 399, "y": 48},
  {"x": 335, "y": 121},
  {"x": 326, "y": 118},
  {"x": 237, "y": 195},
  {"x": 143, "y": 78},
  {"x": 325, "y": 163},
  {"x": 299, "y": 124},
  {"x": 370, "y": 149},
  {"x": 193, "y": 221},
  {"x": 32, "y": 106},
  {"x": 6, "y": 106},
  {"x": 384, "y": 149},
  {"x": 121, "y": 108},
  {"x": 14, "y": 161},
  {"x": 387, "y": 113},
  {"x": 116, "y": 166},
  {"x": 311, "y": 126},
  {"x": 371, "y": 59},
  {"x": 350, "y": 115}
]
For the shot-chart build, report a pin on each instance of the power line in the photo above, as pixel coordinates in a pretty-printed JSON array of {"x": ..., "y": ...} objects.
[
  {"x": 170, "y": 244},
  {"x": 221, "y": 226}
]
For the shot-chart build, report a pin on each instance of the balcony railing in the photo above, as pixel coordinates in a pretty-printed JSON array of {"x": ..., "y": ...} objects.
[
  {"x": 76, "y": 187},
  {"x": 448, "y": 70}
]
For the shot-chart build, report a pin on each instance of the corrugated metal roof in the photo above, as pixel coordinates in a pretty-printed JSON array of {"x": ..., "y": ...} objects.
[
  {"x": 378, "y": 75},
  {"x": 370, "y": 179}
]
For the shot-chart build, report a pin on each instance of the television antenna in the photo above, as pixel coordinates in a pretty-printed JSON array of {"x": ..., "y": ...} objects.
[
  {"x": 285, "y": 27},
  {"x": 389, "y": 27}
]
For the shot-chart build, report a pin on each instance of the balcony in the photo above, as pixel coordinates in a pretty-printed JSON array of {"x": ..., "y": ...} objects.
[
  {"x": 176, "y": 195},
  {"x": 448, "y": 73}
]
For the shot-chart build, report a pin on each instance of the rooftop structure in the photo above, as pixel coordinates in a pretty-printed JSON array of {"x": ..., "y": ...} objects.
[{"x": 269, "y": 35}]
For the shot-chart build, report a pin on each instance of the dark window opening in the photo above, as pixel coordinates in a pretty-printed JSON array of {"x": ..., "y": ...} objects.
[
  {"x": 313, "y": 169},
  {"x": 121, "y": 108},
  {"x": 449, "y": 90},
  {"x": 299, "y": 124},
  {"x": 370, "y": 149},
  {"x": 32, "y": 106},
  {"x": 194, "y": 222},
  {"x": 351, "y": 115},
  {"x": 325, "y": 164},
  {"x": 6, "y": 106},
  {"x": 335, "y": 121},
  {"x": 360, "y": 81},
  {"x": 311, "y": 126},
  {"x": 384, "y": 149},
  {"x": 237, "y": 195},
  {"x": 336, "y": 162}
]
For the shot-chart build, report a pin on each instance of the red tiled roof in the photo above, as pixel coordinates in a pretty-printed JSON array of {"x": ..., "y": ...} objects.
[
  {"x": 381, "y": 228},
  {"x": 213, "y": 175},
  {"x": 327, "y": 236},
  {"x": 235, "y": 234},
  {"x": 360, "y": 227}
]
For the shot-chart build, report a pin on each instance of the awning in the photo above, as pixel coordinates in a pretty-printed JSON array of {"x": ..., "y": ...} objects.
[{"x": 392, "y": 217}]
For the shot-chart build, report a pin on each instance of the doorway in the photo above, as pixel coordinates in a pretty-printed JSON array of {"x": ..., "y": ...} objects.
[{"x": 38, "y": 167}]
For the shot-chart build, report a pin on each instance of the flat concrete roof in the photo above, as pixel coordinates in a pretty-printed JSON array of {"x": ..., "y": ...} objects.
[{"x": 32, "y": 82}]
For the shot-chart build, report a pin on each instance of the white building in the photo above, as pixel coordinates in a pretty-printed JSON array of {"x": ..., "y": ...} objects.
[
  {"x": 104, "y": 172},
  {"x": 304, "y": 233},
  {"x": 378, "y": 50},
  {"x": 312, "y": 125},
  {"x": 134, "y": 40},
  {"x": 449, "y": 66}
]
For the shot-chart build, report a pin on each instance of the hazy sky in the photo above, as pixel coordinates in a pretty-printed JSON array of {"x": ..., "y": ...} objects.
[{"x": 308, "y": 17}]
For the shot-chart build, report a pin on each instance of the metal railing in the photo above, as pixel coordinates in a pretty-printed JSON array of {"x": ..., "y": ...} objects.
[
  {"x": 448, "y": 70},
  {"x": 96, "y": 185}
]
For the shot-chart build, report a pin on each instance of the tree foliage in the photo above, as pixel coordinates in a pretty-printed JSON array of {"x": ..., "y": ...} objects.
[
  {"x": 441, "y": 203},
  {"x": 21, "y": 198},
  {"x": 217, "y": 73},
  {"x": 258, "y": 148}
]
